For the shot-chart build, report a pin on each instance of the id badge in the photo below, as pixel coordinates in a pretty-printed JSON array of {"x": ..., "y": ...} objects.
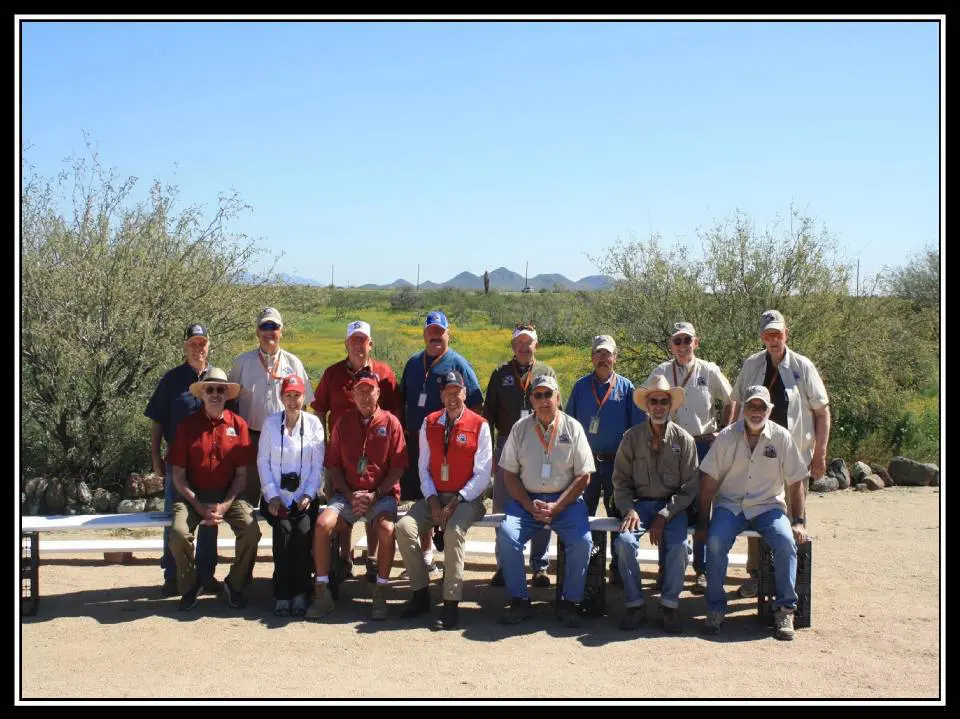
[
  {"x": 444, "y": 473},
  {"x": 524, "y": 413},
  {"x": 595, "y": 425},
  {"x": 545, "y": 471},
  {"x": 362, "y": 465},
  {"x": 422, "y": 400}
]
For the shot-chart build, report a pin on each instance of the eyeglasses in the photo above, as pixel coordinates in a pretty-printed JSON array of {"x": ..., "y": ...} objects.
[
  {"x": 269, "y": 326},
  {"x": 665, "y": 401},
  {"x": 215, "y": 390},
  {"x": 771, "y": 335},
  {"x": 545, "y": 394},
  {"x": 685, "y": 340},
  {"x": 756, "y": 407},
  {"x": 525, "y": 327}
]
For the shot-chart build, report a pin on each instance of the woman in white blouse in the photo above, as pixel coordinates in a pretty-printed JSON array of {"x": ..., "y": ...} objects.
[{"x": 290, "y": 461}]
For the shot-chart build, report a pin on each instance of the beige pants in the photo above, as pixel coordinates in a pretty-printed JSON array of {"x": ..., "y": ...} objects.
[
  {"x": 417, "y": 521},
  {"x": 753, "y": 543}
]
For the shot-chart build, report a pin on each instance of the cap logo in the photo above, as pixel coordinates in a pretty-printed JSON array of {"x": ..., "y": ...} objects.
[{"x": 381, "y": 431}]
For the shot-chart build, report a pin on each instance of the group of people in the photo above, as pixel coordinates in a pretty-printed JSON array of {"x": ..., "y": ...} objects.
[{"x": 665, "y": 456}]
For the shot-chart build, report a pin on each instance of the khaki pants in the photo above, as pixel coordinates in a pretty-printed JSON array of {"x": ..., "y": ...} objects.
[
  {"x": 244, "y": 526},
  {"x": 417, "y": 521},
  {"x": 753, "y": 543}
]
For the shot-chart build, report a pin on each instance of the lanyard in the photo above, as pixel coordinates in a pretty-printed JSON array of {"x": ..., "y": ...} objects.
[
  {"x": 426, "y": 370},
  {"x": 545, "y": 441},
  {"x": 447, "y": 431},
  {"x": 283, "y": 425},
  {"x": 271, "y": 371},
  {"x": 523, "y": 383},
  {"x": 366, "y": 430},
  {"x": 776, "y": 371},
  {"x": 593, "y": 387},
  {"x": 685, "y": 379}
]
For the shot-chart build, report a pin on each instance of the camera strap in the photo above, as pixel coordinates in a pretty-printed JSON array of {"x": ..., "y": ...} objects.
[{"x": 283, "y": 425}]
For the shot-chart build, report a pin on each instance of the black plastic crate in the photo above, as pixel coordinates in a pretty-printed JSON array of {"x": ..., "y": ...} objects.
[
  {"x": 29, "y": 573},
  {"x": 594, "y": 602},
  {"x": 767, "y": 587}
]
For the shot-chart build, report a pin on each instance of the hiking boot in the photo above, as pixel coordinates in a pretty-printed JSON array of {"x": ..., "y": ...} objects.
[
  {"x": 540, "y": 579},
  {"x": 298, "y": 607},
  {"x": 189, "y": 599},
  {"x": 449, "y": 615},
  {"x": 379, "y": 610},
  {"x": 670, "y": 619},
  {"x": 713, "y": 622},
  {"x": 497, "y": 579},
  {"x": 748, "y": 590},
  {"x": 282, "y": 608},
  {"x": 783, "y": 621},
  {"x": 233, "y": 597},
  {"x": 699, "y": 584},
  {"x": 568, "y": 614},
  {"x": 634, "y": 618},
  {"x": 518, "y": 610},
  {"x": 322, "y": 602},
  {"x": 418, "y": 604},
  {"x": 169, "y": 588}
]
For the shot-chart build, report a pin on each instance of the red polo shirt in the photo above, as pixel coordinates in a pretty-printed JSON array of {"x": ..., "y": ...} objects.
[
  {"x": 381, "y": 441},
  {"x": 212, "y": 449},
  {"x": 334, "y": 393}
]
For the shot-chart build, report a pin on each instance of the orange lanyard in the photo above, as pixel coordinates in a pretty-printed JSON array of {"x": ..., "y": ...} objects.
[
  {"x": 426, "y": 370},
  {"x": 776, "y": 374},
  {"x": 545, "y": 441},
  {"x": 593, "y": 387},
  {"x": 687, "y": 378},
  {"x": 271, "y": 371},
  {"x": 523, "y": 383}
]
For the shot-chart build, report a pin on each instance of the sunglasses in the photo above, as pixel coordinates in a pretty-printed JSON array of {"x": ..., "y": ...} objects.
[
  {"x": 685, "y": 340},
  {"x": 661, "y": 401},
  {"x": 215, "y": 390},
  {"x": 545, "y": 394},
  {"x": 269, "y": 326},
  {"x": 771, "y": 335}
]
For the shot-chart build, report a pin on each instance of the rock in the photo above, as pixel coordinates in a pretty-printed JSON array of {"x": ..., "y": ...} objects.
[
  {"x": 114, "y": 499},
  {"x": 35, "y": 489},
  {"x": 154, "y": 504},
  {"x": 101, "y": 500},
  {"x": 882, "y": 473},
  {"x": 838, "y": 468},
  {"x": 907, "y": 473},
  {"x": 77, "y": 492},
  {"x": 131, "y": 505},
  {"x": 873, "y": 482},
  {"x": 54, "y": 499},
  {"x": 33, "y": 508},
  {"x": 859, "y": 471},
  {"x": 87, "y": 509},
  {"x": 825, "y": 484},
  {"x": 861, "y": 487},
  {"x": 23, "y": 500},
  {"x": 152, "y": 484},
  {"x": 70, "y": 510},
  {"x": 133, "y": 487}
]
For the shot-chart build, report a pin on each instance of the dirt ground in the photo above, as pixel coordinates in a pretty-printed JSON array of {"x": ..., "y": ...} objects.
[{"x": 103, "y": 631}]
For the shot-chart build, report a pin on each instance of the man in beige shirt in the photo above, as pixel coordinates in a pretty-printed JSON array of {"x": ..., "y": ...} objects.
[
  {"x": 546, "y": 464},
  {"x": 655, "y": 479},
  {"x": 744, "y": 474}
]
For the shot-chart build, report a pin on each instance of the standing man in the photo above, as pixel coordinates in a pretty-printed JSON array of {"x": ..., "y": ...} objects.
[
  {"x": 210, "y": 455},
  {"x": 420, "y": 391},
  {"x": 703, "y": 384},
  {"x": 655, "y": 479},
  {"x": 259, "y": 373},
  {"x": 334, "y": 396},
  {"x": 456, "y": 457},
  {"x": 744, "y": 475},
  {"x": 800, "y": 404},
  {"x": 508, "y": 400},
  {"x": 171, "y": 402},
  {"x": 602, "y": 402},
  {"x": 547, "y": 464}
]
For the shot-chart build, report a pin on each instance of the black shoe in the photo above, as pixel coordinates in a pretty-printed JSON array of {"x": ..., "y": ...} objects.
[
  {"x": 449, "y": 615},
  {"x": 540, "y": 579},
  {"x": 169, "y": 588},
  {"x": 418, "y": 604},
  {"x": 497, "y": 579},
  {"x": 233, "y": 597},
  {"x": 518, "y": 610},
  {"x": 212, "y": 587},
  {"x": 671, "y": 620},
  {"x": 635, "y": 618},
  {"x": 371, "y": 572},
  {"x": 189, "y": 599},
  {"x": 569, "y": 614}
]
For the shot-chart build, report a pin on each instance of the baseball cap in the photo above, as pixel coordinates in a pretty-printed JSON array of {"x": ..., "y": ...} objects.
[
  {"x": 269, "y": 314},
  {"x": 604, "y": 342},
  {"x": 758, "y": 391},
  {"x": 358, "y": 326},
  {"x": 772, "y": 320},
  {"x": 452, "y": 377},
  {"x": 366, "y": 376},
  {"x": 196, "y": 331},
  {"x": 436, "y": 318},
  {"x": 683, "y": 328},
  {"x": 525, "y": 330},
  {"x": 545, "y": 380},
  {"x": 292, "y": 383}
]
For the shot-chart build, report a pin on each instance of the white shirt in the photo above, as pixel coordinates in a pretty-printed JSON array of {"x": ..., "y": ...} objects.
[
  {"x": 482, "y": 463},
  {"x": 706, "y": 385},
  {"x": 752, "y": 482},
  {"x": 570, "y": 455},
  {"x": 273, "y": 436},
  {"x": 260, "y": 394}
]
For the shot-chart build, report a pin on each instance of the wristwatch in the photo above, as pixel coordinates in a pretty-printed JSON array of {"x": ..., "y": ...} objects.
[
  {"x": 461, "y": 497},
  {"x": 799, "y": 520}
]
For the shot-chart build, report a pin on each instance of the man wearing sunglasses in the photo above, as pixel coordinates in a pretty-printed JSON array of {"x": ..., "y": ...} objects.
[
  {"x": 800, "y": 404},
  {"x": 655, "y": 479},
  {"x": 259, "y": 373},
  {"x": 744, "y": 475},
  {"x": 703, "y": 384},
  {"x": 210, "y": 455},
  {"x": 547, "y": 464},
  {"x": 508, "y": 400}
]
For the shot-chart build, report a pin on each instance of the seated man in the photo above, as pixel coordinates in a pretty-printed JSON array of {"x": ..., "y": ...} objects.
[
  {"x": 745, "y": 472},
  {"x": 365, "y": 459},
  {"x": 456, "y": 459},
  {"x": 209, "y": 456},
  {"x": 655, "y": 479},
  {"x": 546, "y": 464}
]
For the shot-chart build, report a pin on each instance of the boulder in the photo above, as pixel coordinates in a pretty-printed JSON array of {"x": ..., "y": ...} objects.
[
  {"x": 907, "y": 473},
  {"x": 825, "y": 484},
  {"x": 873, "y": 482},
  {"x": 54, "y": 499},
  {"x": 35, "y": 489},
  {"x": 882, "y": 473},
  {"x": 128, "y": 506},
  {"x": 859, "y": 471},
  {"x": 861, "y": 487},
  {"x": 154, "y": 504},
  {"x": 101, "y": 500},
  {"x": 838, "y": 468},
  {"x": 77, "y": 492},
  {"x": 114, "y": 499},
  {"x": 87, "y": 509}
]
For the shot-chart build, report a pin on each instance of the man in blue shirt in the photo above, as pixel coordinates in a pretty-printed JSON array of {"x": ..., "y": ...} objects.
[
  {"x": 602, "y": 402},
  {"x": 420, "y": 391}
]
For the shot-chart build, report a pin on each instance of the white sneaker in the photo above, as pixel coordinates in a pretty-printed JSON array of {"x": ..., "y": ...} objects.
[{"x": 783, "y": 621}]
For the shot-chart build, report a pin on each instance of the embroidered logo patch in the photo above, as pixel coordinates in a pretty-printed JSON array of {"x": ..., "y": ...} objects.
[
  {"x": 701, "y": 381},
  {"x": 564, "y": 438},
  {"x": 381, "y": 431},
  {"x": 770, "y": 451},
  {"x": 231, "y": 432},
  {"x": 461, "y": 438},
  {"x": 508, "y": 380},
  {"x": 618, "y": 396},
  {"x": 675, "y": 448},
  {"x": 796, "y": 375}
]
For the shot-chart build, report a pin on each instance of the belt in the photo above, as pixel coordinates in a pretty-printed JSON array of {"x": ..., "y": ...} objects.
[
  {"x": 605, "y": 456},
  {"x": 704, "y": 437}
]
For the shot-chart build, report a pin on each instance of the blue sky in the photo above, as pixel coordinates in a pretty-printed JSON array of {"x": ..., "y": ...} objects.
[{"x": 466, "y": 146}]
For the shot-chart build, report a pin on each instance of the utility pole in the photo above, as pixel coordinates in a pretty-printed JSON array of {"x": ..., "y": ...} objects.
[
  {"x": 858, "y": 277},
  {"x": 418, "y": 277}
]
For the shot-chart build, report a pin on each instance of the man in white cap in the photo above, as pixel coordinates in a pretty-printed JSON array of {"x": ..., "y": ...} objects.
[
  {"x": 655, "y": 479},
  {"x": 506, "y": 401},
  {"x": 259, "y": 373},
  {"x": 800, "y": 404},
  {"x": 704, "y": 384},
  {"x": 210, "y": 455},
  {"x": 547, "y": 464},
  {"x": 334, "y": 396},
  {"x": 744, "y": 475}
]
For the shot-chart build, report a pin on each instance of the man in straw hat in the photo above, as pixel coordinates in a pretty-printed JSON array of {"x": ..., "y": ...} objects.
[
  {"x": 210, "y": 455},
  {"x": 655, "y": 479}
]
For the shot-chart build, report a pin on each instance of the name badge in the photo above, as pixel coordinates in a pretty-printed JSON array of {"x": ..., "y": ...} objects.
[
  {"x": 545, "y": 471},
  {"x": 444, "y": 473},
  {"x": 524, "y": 413},
  {"x": 422, "y": 400},
  {"x": 595, "y": 425},
  {"x": 362, "y": 465}
]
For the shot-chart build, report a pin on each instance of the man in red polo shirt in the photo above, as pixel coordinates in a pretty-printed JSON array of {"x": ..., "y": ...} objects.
[
  {"x": 334, "y": 395},
  {"x": 456, "y": 459},
  {"x": 209, "y": 456},
  {"x": 365, "y": 459}
]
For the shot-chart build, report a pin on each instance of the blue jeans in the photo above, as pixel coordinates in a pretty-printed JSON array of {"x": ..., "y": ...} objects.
[
  {"x": 571, "y": 525},
  {"x": 774, "y": 527},
  {"x": 541, "y": 540},
  {"x": 601, "y": 481},
  {"x": 693, "y": 514},
  {"x": 674, "y": 539}
]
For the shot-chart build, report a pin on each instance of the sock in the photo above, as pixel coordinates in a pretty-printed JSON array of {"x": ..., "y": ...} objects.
[
  {"x": 381, "y": 580},
  {"x": 323, "y": 580}
]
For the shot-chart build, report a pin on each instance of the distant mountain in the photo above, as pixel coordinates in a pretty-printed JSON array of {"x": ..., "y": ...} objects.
[
  {"x": 294, "y": 280},
  {"x": 464, "y": 281},
  {"x": 506, "y": 280},
  {"x": 594, "y": 283},
  {"x": 501, "y": 279}
]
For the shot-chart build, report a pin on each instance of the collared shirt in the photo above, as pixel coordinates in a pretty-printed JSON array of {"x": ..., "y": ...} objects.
[
  {"x": 506, "y": 399},
  {"x": 300, "y": 450},
  {"x": 414, "y": 380},
  {"x": 259, "y": 393},
  {"x": 380, "y": 440},
  {"x": 752, "y": 481},
  {"x": 569, "y": 456},
  {"x": 211, "y": 450},
  {"x": 703, "y": 383},
  {"x": 334, "y": 393},
  {"x": 172, "y": 402},
  {"x": 617, "y": 415},
  {"x": 670, "y": 473},
  {"x": 805, "y": 392},
  {"x": 482, "y": 463}
]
